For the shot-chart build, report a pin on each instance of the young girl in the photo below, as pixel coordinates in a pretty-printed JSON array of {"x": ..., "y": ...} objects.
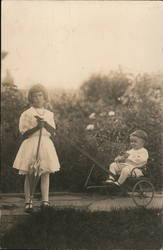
[{"x": 31, "y": 121}]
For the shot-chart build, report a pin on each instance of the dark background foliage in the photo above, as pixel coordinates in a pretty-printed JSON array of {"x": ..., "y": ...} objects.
[{"x": 98, "y": 118}]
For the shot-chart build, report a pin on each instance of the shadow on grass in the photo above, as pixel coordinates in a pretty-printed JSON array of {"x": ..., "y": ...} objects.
[{"x": 76, "y": 229}]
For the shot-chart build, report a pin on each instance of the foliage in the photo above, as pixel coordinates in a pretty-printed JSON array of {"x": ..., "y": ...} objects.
[
  {"x": 96, "y": 119},
  {"x": 109, "y": 88},
  {"x": 109, "y": 125},
  {"x": 54, "y": 228},
  {"x": 12, "y": 104}
]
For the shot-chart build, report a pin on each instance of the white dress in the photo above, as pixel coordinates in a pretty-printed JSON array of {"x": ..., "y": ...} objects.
[{"x": 26, "y": 156}]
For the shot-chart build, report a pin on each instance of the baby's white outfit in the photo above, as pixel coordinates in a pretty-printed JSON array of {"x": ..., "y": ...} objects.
[{"x": 138, "y": 157}]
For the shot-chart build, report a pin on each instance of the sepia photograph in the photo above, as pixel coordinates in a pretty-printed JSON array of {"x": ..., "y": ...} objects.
[{"x": 81, "y": 125}]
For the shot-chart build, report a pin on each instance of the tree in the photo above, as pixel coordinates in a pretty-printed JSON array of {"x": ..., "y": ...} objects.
[
  {"x": 12, "y": 104},
  {"x": 108, "y": 88}
]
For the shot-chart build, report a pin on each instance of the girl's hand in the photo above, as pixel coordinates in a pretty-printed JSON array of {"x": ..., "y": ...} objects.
[{"x": 40, "y": 122}]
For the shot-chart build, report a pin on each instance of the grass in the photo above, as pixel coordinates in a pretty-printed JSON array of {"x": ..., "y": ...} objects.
[{"x": 76, "y": 229}]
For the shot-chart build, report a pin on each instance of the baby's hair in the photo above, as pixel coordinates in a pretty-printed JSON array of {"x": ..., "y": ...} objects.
[
  {"x": 140, "y": 134},
  {"x": 37, "y": 88}
]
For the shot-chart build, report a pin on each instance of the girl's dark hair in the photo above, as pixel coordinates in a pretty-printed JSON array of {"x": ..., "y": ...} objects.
[{"x": 37, "y": 88}]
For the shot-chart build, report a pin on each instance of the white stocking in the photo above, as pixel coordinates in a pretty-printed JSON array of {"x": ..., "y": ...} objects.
[
  {"x": 45, "y": 187},
  {"x": 27, "y": 189}
]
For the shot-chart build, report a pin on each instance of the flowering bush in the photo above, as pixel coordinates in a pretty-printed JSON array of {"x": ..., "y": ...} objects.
[
  {"x": 95, "y": 121},
  {"x": 101, "y": 128}
]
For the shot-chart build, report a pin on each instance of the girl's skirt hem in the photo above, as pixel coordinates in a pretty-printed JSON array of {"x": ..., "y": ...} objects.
[
  {"x": 47, "y": 160},
  {"x": 22, "y": 172}
]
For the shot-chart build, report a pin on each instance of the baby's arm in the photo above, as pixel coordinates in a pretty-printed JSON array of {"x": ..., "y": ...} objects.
[{"x": 121, "y": 158}]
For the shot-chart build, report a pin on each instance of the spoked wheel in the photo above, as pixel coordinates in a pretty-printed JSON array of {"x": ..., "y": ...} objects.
[{"x": 142, "y": 193}]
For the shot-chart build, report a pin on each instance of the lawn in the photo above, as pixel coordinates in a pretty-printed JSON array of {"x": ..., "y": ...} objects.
[{"x": 55, "y": 228}]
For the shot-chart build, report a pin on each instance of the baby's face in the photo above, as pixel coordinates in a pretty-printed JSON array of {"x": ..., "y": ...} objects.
[{"x": 136, "y": 142}]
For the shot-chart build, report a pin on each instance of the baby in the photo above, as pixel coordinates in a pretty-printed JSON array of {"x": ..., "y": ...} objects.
[{"x": 137, "y": 156}]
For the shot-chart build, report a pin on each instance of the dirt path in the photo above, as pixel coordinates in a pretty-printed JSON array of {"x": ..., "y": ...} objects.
[{"x": 14, "y": 205}]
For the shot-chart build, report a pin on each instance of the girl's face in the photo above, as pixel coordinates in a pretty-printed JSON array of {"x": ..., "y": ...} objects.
[
  {"x": 136, "y": 142},
  {"x": 38, "y": 99}
]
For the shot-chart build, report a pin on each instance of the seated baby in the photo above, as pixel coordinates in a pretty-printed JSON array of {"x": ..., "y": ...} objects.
[{"x": 137, "y": 156}]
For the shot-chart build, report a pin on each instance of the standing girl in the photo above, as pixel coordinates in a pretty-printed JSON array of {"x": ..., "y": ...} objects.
[{"x": 31, "y": 121}]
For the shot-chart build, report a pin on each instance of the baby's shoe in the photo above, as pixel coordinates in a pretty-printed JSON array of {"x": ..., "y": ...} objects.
[
  {"x": 109, "y": 181},
  {"x": 116, "y": 183}
]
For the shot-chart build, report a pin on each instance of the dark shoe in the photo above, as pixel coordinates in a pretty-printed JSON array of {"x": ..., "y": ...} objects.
[
  {"x": 45, "y": 204},
  {"x": 28, "y": 207}
]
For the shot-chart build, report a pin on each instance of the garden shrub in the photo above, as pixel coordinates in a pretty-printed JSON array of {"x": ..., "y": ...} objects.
[
  {"x": 12, "y": 105},
  {"x": 98, "y": 119},
  {"x": 109, "y": 124}
]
